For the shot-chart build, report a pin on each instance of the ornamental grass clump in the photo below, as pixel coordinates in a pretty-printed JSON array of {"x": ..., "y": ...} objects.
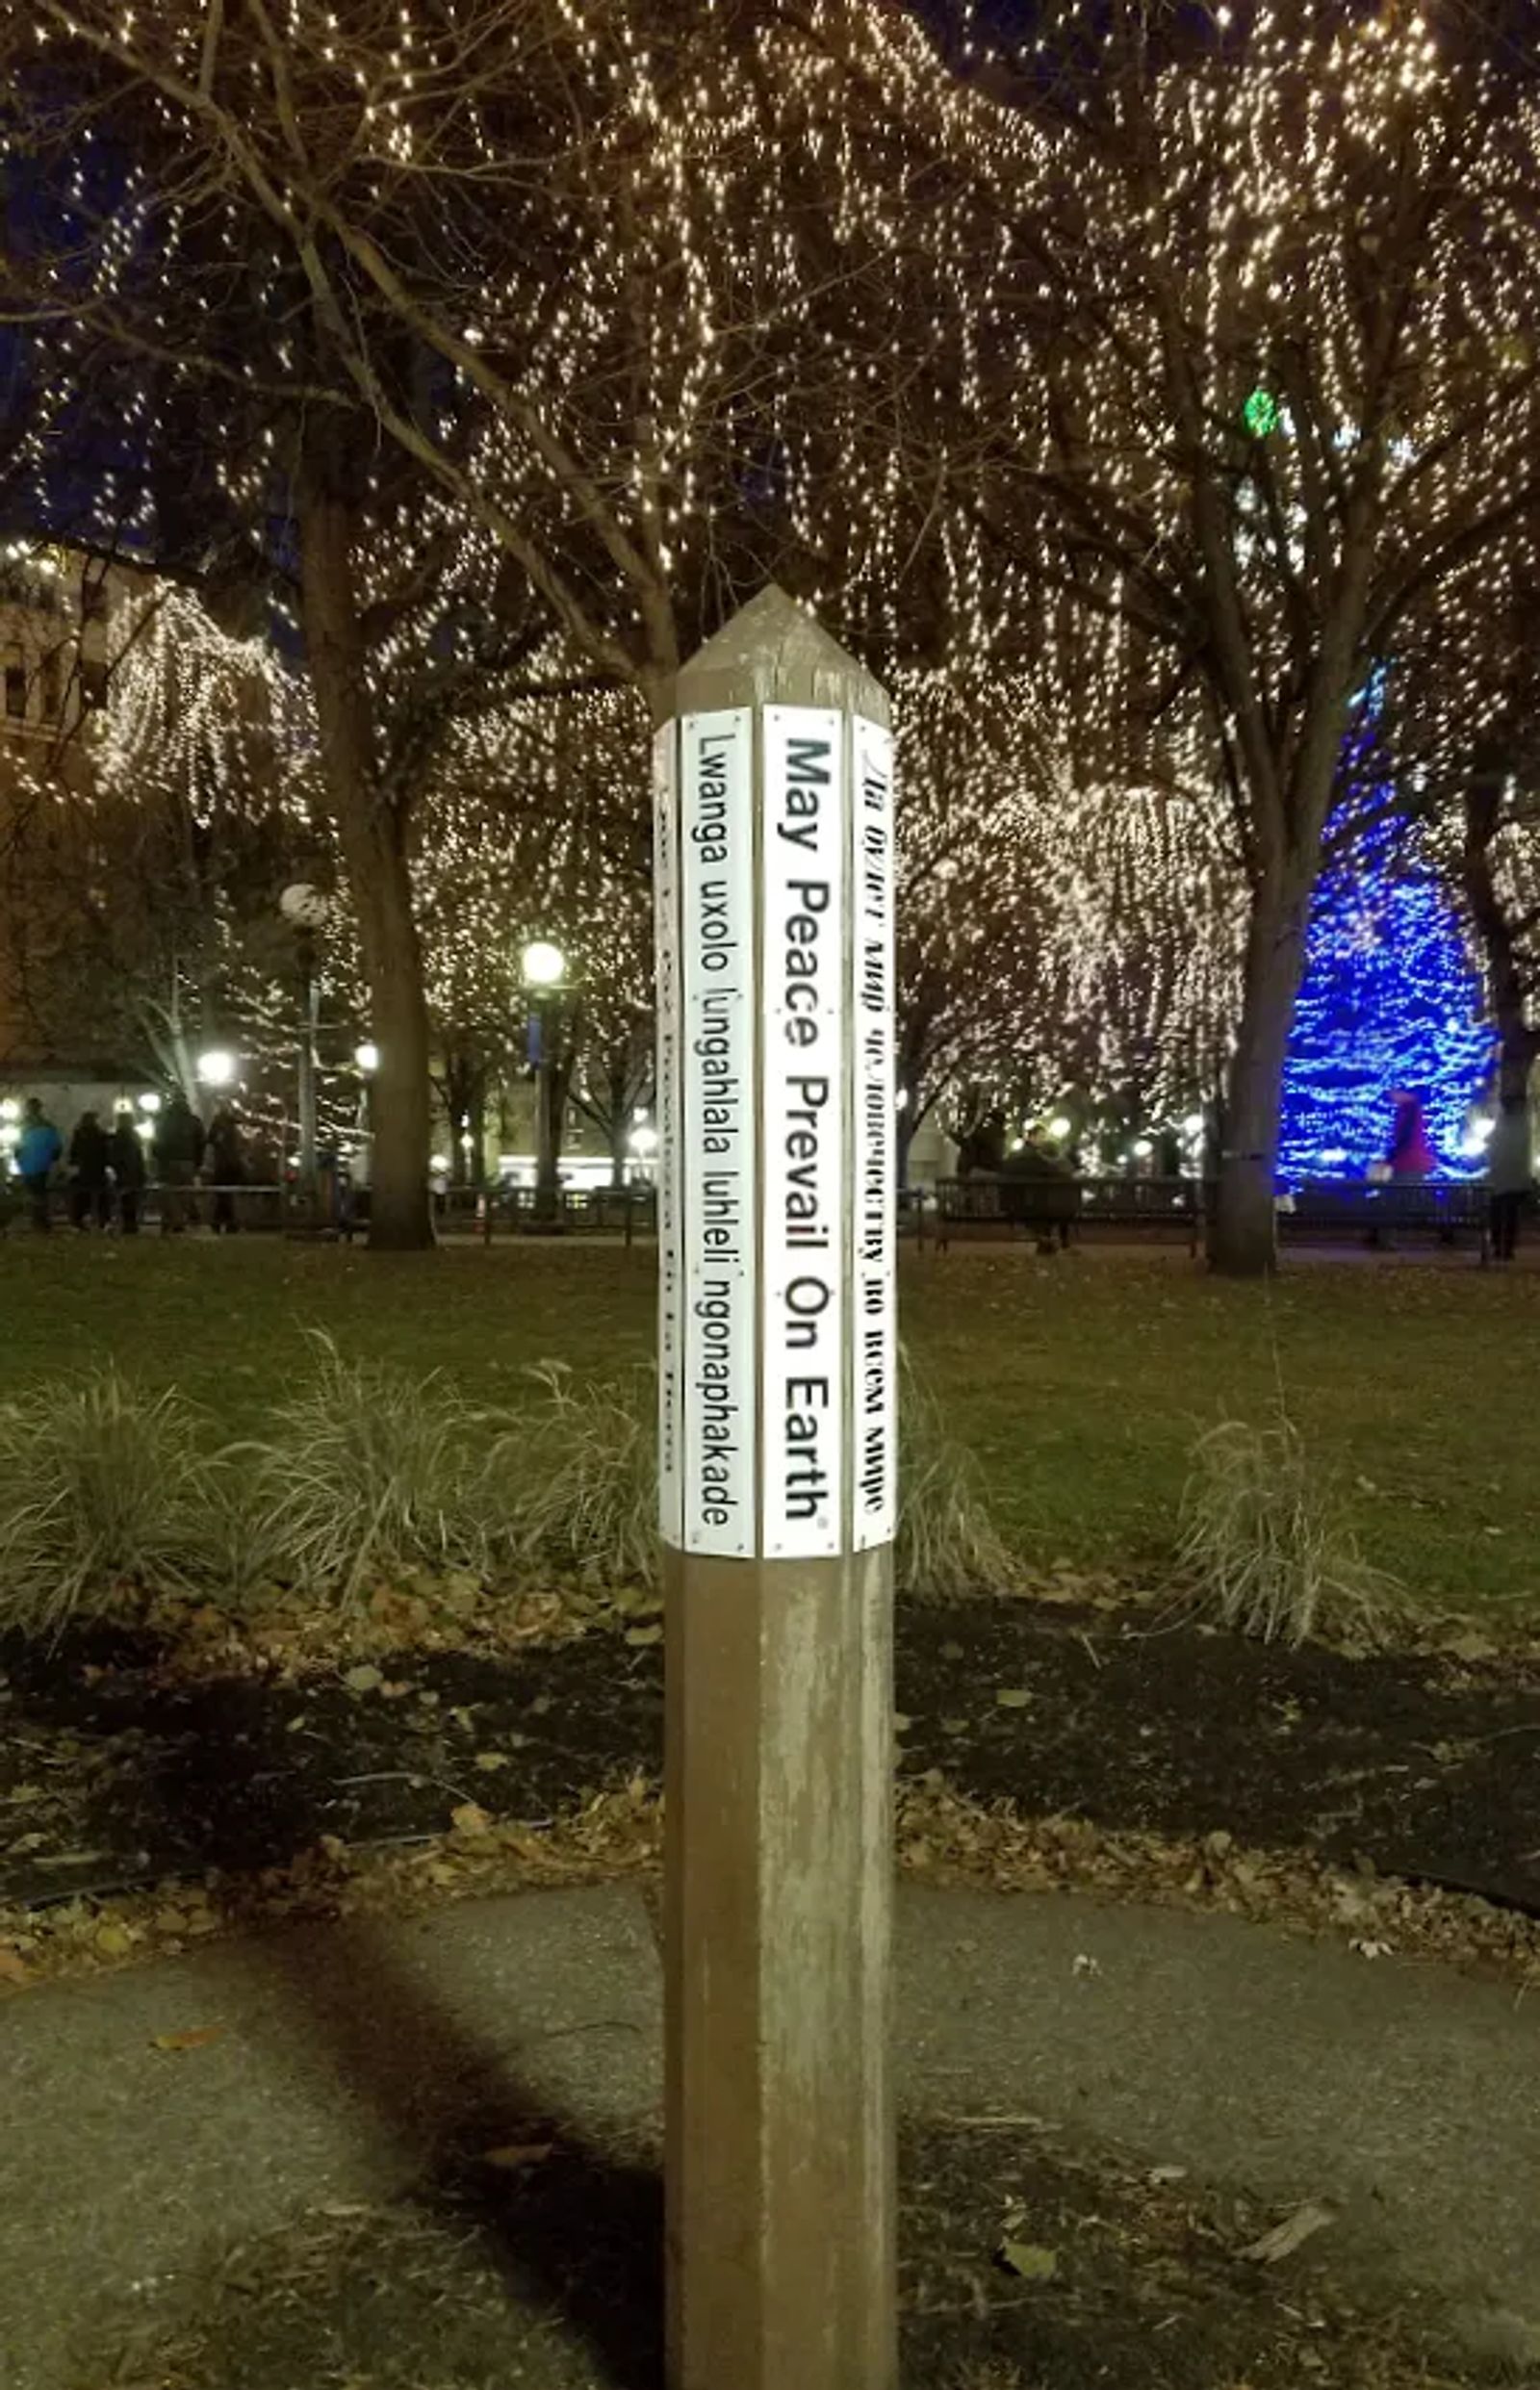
[
  {"x": 368, "y": 1473},
  {"x": 1263, "y": 1548},
  {"x": 103, "y": 1489},
  {"x": 948, "y": 1547},
  {"x": 575, "y": 1477}
]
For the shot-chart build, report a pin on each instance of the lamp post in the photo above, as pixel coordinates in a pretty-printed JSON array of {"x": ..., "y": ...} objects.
[
  {"x": 307, "y": 908},
  {"x": 545, "y": 968}
]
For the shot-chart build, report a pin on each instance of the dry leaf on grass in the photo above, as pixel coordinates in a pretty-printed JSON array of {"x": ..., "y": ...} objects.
[
  {"x": 1029, "y": 2260},
  {"x": 1291, "y": 2234},
  {"x": 518, "y": 2155},
  {"x": 198, "y": 2038},
  {"x": 13, "y": 1968}
]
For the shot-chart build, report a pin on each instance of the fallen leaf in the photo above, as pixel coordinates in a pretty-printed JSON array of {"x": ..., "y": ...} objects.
[
  {"x": 14, "y": 1969},
  {"x": 470, "y": 1818},
  {"x": 1029, "y": 2260},
  {"x": 1161, "y": 2175},
  {"x": 489, "y": 1761},
  {"x": 1014, "y": 1697},
  {"x": 636, "y": 1636},
  {"x": 366, "y": 1677},
  {"x": 954, "y": 1726},
  {"x": 518, "y": 2154},
  {"x": 197, "y": 2039},
  {"x": 114, "y": 1941},
  {"x": 1291, "y": 2234}
]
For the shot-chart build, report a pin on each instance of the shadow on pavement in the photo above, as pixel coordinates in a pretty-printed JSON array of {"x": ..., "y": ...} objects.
[{"x": 573, "y": 2229}]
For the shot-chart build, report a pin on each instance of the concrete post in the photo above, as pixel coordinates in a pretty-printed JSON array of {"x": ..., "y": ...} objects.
[{"x": 778, "y": 1433}]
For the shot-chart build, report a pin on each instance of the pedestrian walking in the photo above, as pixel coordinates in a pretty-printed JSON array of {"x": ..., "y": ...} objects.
[
  {"x": 179, "y": 1142},
  {"x": 1509, "y": 1175},
  {"x": 226, "y": 1160},
  {"x": 37, "y": 1151},
  {"x": 126, "y": 1155},
  {"x": 88, "y": 1157}
]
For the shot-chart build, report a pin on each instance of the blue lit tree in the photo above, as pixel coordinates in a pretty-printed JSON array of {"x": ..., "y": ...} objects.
[{"x": 1390, "y": 999}]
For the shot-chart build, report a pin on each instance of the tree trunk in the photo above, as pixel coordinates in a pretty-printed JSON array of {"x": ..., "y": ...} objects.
[
  {"x": 373, "y": 840},
  {"x": 1506, "y": 980},
  {"x": 1243, "y": 1240},
  {"x": 905, "y": 1125},
  {"x": 621, "y": 1088}
]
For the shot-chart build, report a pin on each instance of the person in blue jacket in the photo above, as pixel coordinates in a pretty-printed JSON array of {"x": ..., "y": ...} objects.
[{"x": 37, "y": 1151}]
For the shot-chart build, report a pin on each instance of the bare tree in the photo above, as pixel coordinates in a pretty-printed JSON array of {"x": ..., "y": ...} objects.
[
  {"x": 591, "y": 277},
  {"x": 593, "y": 272},
  {"x": 1261, "y": 356}
]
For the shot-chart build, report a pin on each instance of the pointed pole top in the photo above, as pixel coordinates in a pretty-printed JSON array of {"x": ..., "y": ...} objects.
[{"x": 774, "y": 652}]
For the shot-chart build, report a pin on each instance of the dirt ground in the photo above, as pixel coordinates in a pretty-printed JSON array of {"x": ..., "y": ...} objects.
[
  {"x": 116, "y": 1768},
  {"x": 1021, "y": 2269}
]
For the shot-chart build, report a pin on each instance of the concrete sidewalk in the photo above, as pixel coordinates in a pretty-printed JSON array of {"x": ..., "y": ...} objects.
[{"x": 350, "y": 2062}]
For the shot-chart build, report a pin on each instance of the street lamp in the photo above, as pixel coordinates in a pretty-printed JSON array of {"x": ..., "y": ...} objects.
[
  {"x": 367, "y": 1057},
  {"x": 307, "y": 909},
  {"x": 219, "y": 1068},
  {"x": 545, "y": 967}
]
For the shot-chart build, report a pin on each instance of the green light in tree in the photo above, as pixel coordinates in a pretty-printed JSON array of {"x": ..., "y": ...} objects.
[{"x": 1260, "y": 413}]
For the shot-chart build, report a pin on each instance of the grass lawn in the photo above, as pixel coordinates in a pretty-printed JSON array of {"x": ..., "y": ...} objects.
[{"x": 1079, "y": 1382}]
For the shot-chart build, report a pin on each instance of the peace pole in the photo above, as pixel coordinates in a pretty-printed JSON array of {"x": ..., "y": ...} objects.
[{"x": 778, "y": 1427}]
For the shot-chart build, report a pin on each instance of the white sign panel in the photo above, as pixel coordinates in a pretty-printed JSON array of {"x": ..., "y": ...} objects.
[
  {"x": 803, "y": 993},
  {"x": 717, "y": 1470},
  {"x": 874, "y": 1270},
  {"x": 670, "y": 1255}
]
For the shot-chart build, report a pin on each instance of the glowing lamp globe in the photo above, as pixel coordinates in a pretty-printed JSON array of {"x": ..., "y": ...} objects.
[
  {"x": 367, "y": 1056},
  {"x": 306, "y": 907},
  {"x": 217, "y": 1068},
  {"x": 544, "y": 965}
]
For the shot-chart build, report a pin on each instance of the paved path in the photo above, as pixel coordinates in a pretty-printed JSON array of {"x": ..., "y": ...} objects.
[{"x": 352, "y": 2063}]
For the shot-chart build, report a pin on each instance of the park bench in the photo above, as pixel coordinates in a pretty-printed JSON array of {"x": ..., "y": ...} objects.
[
  {"x": 1388, "y": 1212},
  {"x": 1046, "y": 1208},
  {"x": 627, "y": 1212}
]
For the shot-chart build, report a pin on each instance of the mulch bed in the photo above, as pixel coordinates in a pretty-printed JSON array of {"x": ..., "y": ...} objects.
[{"x": 117, "y": 1769}]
